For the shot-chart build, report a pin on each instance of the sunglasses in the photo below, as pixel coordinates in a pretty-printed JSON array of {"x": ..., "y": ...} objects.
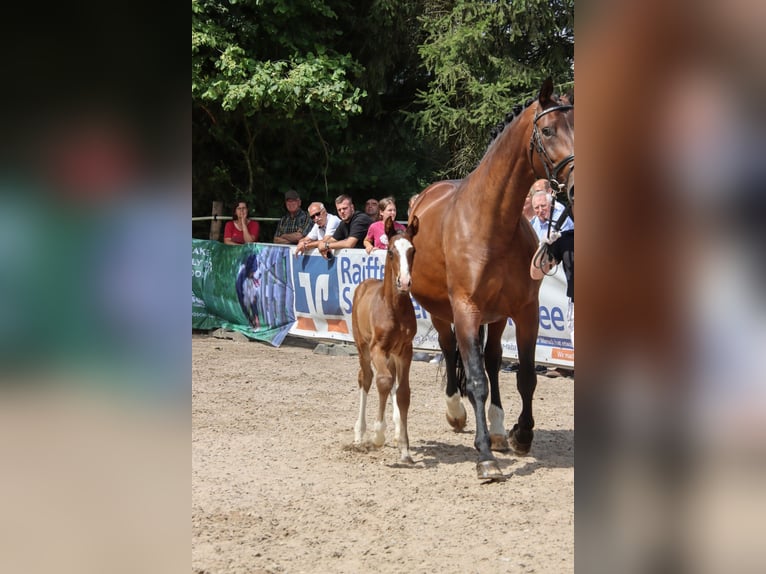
[{"x": 315, "y": 215}]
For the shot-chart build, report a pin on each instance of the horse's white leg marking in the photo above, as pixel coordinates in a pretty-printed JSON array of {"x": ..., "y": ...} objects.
[
  {"x": 496, "y": 420},
  {"x": 361, "y": 423},
  {"x": 455, "y": 407},
  {"x": 379, "y": 438},
  {"x": 397, "y": 416}
]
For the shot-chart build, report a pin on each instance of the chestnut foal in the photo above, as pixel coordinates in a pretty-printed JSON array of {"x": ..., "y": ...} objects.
[{"x": 384, "y": 324}]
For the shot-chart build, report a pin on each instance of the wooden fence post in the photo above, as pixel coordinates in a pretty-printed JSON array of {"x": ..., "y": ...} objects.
[{"x": 215, "y": 225}]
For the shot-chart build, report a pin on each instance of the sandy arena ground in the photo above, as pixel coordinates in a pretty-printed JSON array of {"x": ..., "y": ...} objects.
[{"x": 277, "y": 485}]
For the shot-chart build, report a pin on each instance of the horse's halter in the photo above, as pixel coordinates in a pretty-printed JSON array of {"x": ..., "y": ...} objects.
[{"x": 536, "y": 145}]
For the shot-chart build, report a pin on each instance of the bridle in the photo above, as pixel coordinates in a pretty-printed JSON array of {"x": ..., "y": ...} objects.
[
  {"x": 551, "y": 174},
  {"x": 536, "y": 145}
]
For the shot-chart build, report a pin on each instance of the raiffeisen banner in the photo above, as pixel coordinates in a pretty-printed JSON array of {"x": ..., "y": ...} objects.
[{"x": 310, "y": 296}]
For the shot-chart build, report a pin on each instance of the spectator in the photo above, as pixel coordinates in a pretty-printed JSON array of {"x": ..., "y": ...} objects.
[
  {"x": 539, "y": 185},
  {"x": 240, "y": 229},
  {"x": 295, "y": 224},
  {"x": 552, "y": 250},
  {"x": 325, "y": 225},
  {"x": 376, "y": 234},
  {"x": 351, "y": 231},
  {"x": 371, "y": 209},
  {"x": 541, "y": 222}
]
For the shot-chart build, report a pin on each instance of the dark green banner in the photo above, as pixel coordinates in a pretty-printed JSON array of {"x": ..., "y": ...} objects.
[{"x": 245, "y": 288}]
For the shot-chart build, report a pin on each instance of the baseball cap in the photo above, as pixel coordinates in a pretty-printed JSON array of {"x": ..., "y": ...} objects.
[{"x": 292, "y": 194}]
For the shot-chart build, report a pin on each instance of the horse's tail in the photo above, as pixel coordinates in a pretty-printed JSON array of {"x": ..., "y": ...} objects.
[
  {"x": 462, "y": 379},
  {"x": 460, "y": 374}
]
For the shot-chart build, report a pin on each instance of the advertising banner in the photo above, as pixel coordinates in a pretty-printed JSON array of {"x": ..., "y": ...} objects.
[
  {"x": 324, "y": 292},
  {"x": 264, "y": 291},
  {"x": 246, "y": 288}
]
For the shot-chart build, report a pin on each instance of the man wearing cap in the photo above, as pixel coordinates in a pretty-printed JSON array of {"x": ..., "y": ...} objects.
[{"x": 295, "y": 224}]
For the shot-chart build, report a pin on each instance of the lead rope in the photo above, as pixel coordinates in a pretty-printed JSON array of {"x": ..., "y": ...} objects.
[{"x": 542, "y": 254}]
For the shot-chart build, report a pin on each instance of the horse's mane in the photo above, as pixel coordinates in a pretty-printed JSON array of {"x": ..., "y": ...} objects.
[
  {"x": 509, "y": 117},
  {"x": 498, "y": 128}
]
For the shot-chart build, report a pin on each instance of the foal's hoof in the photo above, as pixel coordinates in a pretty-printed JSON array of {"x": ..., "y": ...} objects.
[
  {"x": 521, "y": 442},
  {"x": 499, "y": 442},
  {"x": 457, "y": 423},
  {"x": 488, "y": 470}
]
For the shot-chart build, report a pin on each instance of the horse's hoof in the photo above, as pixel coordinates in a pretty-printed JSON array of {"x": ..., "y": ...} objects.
[
  {"x": 499, "y": 442},
  {"x": 520, "y": 448},
  {"x": 458, "y": 423},
  {"x": 488, "y": 470},
  {"x": 407, "y": 459}
]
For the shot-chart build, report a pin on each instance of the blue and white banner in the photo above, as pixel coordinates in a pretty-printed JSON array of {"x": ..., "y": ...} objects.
[
  {"x": 324, "y": 291},
  {"x": 322, "y": 294}
]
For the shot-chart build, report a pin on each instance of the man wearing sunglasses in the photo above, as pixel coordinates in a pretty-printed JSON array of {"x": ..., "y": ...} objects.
[{"x": 325, "y": 225}]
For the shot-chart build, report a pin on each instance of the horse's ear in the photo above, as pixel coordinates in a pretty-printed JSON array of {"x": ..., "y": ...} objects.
[
  {"x": 412, "y": 227},
  {"x": 388, "y": 227},
  {"x": 546, "y": 91}
]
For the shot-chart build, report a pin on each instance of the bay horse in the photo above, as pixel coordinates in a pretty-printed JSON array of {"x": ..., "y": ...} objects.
[
  {"x": 471, "y": 268},
  {"x": 384, "y": 325}
]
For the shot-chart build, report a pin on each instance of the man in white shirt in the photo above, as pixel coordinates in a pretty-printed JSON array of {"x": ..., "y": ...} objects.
[
  {"x": 541, "y": 222},
  {"x": 325, "y": 225}
]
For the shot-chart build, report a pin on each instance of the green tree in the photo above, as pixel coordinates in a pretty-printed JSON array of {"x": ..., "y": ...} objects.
[
  {"x": 482, "y": 58},
  {"x": 371, "y": 97},
  {"x": 264, "y": 77}
]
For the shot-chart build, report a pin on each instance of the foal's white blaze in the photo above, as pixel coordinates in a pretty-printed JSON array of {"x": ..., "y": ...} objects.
[{"x": 403, "y": 246}]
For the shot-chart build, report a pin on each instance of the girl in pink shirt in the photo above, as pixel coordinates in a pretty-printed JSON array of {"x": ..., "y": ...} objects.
[{"x": 376, "y": 235}]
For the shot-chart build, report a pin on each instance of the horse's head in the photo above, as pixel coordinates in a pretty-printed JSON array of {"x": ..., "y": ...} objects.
[
  {"x": 552, "y": 142},
  {"x": 400, "y": 254}
]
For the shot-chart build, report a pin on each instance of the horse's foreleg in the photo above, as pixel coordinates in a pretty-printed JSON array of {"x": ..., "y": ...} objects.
[
  {"x": 526, "y": 321},
  {"x": 456, "y": 414},
  {"x": 403, "y": 403},
  {"x": 384, "y": 381},
  {"x": 470, "y": 345},
  {"x": 493, "y": 357},
  {"x": 365, "y": 380}
]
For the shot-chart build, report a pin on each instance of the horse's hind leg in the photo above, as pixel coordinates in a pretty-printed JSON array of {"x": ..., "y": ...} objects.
[
  {"x": 456, "y": 413},
  {"x": 526, "y": 321},
  {"x": 493, "y": 357},
  {"x": 403, "y": 403},
  {"x": 384, "y": 381},
  {"x": 392, "y": 366},
  {"x": 365, "y": 380}
]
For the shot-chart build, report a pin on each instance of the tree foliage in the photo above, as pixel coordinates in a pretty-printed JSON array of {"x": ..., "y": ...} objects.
[
  {"x": 370, "y": 97},
  {"x": 482, "y": 58}
]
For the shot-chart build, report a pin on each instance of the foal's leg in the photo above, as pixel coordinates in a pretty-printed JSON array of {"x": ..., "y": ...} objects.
[
  {"x": 384, "y": 380},
  {"x": 493, "y": 358},
  {"x": 456, "y": 414},
  {"x": 365, "y": 380},
  {"x": 403, "y": 402},
  {"x": 392, "y": 366},
  {"x": 526, "y": 321}
]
